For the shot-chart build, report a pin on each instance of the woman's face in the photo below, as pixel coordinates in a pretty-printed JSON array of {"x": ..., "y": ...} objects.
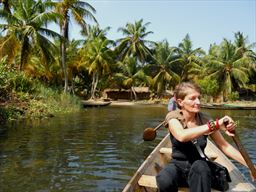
[{"x": 191, "y": 102}]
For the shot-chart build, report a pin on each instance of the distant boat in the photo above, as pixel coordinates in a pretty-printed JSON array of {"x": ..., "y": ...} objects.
[
  {"x": 144, "y": 178},
  {"x": 95, "y": 103},
  {"x": 227, "y": 107}
]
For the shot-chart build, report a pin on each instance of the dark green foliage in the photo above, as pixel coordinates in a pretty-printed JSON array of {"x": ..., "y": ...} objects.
[
  {"x": 5, "y": 80},
  {"x": 11, "y": 80},
  {"x": 209, "y": 86}
]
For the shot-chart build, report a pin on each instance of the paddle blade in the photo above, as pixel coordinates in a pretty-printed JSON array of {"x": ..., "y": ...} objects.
[{"x": 149, "y": 134}]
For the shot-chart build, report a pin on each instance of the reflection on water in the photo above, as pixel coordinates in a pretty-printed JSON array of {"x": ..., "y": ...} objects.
[{"x": 98, "y": 149}]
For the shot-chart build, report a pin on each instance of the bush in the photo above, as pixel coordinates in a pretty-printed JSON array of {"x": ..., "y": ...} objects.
[
  {"x": 27, "y": 97},
  {"x": 210, "y": 87},
  {"x": 22, "y": 83},
  {"x": 233, "y": 96},
  {"x": 5, "y": 80},
  {"x": 11, "y": 81}
]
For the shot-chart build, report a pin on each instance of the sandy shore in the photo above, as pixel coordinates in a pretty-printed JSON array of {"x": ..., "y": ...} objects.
[
  {"x": 141, "y": 102},
  {"x": 122, "y": 103}
]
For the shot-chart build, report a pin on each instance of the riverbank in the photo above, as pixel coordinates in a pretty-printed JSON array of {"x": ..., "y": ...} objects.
[
  {"x": 28, "y": 106},
  {"x": 45, "y": 108},
  {"x": 241, "y": 103},
  {"x": 139, "y": 102}
]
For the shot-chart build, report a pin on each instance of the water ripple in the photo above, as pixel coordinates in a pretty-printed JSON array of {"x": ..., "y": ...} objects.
[{"x": 95, "y": 150}]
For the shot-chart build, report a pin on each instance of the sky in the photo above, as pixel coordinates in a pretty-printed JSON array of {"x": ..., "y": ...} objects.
[{"x": 206, "y": 21}]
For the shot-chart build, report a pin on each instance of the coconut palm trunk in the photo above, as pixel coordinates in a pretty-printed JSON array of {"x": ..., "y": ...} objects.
[
  {"x": 6, "y": 4},
  {"x": 95, "y": 80},
  {"x": 77, "y": 10},
  {"x": 64, "y": 29},
  {"x": 133, "y": 92},
  {"x": 24, "y": 52}
]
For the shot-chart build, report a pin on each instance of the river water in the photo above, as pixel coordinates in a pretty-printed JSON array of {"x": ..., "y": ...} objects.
[{"x": 97, "y": 149}]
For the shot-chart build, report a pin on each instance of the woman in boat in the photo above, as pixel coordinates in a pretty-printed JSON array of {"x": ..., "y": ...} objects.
[{"x": 187, "y": 123}]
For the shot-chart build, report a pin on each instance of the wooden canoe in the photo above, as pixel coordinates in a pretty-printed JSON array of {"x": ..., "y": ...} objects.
[
  {"x": 144, "y": 178},
  {"x": 95, "y": 103}
]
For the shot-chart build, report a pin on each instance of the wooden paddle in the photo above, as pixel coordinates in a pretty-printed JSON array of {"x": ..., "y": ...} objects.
[
  {"x": 149, "y": 133},
  {"x": 242, "y": 150}
]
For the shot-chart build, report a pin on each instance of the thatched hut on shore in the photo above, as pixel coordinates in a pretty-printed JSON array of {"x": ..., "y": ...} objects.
[{"x": 143, "y": 93}]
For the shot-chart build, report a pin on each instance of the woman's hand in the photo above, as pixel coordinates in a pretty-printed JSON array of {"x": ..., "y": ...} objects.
[
  {"x": 228, "y": 125},
  {"x": 253, "y": 178}
]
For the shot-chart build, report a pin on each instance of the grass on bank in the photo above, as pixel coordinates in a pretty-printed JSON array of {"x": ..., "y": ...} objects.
[
  {"x": 43, "y": 102},
  {"x": 24, "y": 97}
]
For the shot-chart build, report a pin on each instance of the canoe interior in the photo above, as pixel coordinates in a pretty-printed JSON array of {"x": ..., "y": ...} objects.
[{"x": 239, "y": 182}]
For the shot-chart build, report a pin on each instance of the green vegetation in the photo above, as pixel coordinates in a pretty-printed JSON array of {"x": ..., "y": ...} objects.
[
  {"x": 42, "y": 72},
  {"x": 23, "y": 97},
  {"x": 209, "y": 87}
]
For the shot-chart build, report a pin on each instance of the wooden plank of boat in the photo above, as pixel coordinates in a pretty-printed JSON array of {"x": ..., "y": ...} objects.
[
  {"x": 227, "y": 107},
  {"x": 144, "y": 178},
  {"x": 95, "y": 103}
]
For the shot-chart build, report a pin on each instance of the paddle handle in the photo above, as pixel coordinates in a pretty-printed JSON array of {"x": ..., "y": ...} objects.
[
  {"x": 242, "y": 150},
  {"x": 158, "y": 126},
  {"x": 245, "y": 155}
]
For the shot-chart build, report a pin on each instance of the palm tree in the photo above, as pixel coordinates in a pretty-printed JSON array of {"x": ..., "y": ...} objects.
[
  {"x": 78, "y": 10},
  {"x": 131, "y": 75},
  {"x": 226, "y": 64},
  {"x": 27, "y": 26},
  {"x": 188, "y": 58},
  {"x": 245, "y": 50},
  {"x": 97, "y": 59},
  {"x": 164, "y": 67},
  {"x": 241, "y": 43},
  {"x": 9, "y": 46},
  {"x": 73, "y": 60},
  {"x": 134, "y": 43}
]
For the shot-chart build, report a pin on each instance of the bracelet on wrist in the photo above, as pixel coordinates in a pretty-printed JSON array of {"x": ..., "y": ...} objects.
[
  {"x": 211, "y": 125},
  {"x": 217, "y": 124}
]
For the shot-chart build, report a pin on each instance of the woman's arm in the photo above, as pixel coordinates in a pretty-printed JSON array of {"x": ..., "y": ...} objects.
[
  {"x": 227, "y": 148},
  {"x": 184, "y": 135}
]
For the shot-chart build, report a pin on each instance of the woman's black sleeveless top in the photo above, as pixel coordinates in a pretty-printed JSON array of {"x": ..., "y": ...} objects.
[{"x": 186, "y": 151}]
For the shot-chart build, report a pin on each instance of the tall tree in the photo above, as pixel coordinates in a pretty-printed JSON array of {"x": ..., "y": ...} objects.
[
  {"x": 78, "y": 10},
  {"x": 189, "y": 58},
  {"x": 73, "y": 61},
  {"x": 241, "y": 43},
  {"x": 244, "y": 49},
  {"x": 97, "y": 58},
  {"x": 134, "y": 43},
  {"x": 131, "y": 75},
  {"x": 163, "y": 67},
  {"x": 26, "y": 25},
  {"x": 228, "y": 67}
]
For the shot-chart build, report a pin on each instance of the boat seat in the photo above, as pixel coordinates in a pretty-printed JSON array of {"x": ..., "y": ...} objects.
[
  {"x": 150, "y": 181},
  {"x": 166, "y": 150}
]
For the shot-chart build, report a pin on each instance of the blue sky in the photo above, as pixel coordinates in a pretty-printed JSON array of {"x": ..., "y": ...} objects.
[{"x": 206, "y": 21}]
